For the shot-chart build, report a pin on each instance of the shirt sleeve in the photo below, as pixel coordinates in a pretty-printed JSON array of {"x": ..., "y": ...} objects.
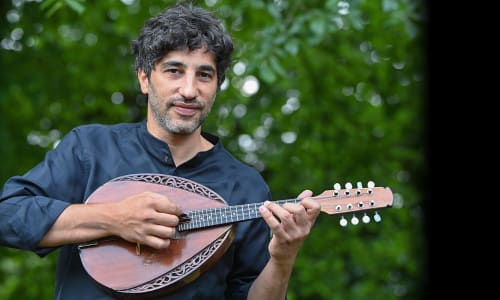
[{"x": 30, "y": 204}]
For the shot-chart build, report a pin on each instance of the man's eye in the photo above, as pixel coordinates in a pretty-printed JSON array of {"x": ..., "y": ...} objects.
[
  {"x": 206, "y": 75},
  {"x": 172, "y": 71}
]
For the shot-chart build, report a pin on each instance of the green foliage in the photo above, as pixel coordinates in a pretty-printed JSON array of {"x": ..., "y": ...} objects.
[
  {"x": 341, "y": 98},
  {"x": 51, "y": 6},
  {"x": 24, "y": 275}
]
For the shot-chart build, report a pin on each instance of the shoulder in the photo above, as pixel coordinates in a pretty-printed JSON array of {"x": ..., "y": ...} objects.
[
  {"x": 93, "y": 132},
  {"x": 103, "y": 129},
  {"x": 87, "y": 135}
]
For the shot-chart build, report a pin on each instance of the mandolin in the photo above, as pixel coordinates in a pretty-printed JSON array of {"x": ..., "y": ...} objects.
[{"x": 204, "y": 233}]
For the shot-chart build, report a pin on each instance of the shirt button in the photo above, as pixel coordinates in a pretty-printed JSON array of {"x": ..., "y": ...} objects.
[{"x": 165, "y": 159}]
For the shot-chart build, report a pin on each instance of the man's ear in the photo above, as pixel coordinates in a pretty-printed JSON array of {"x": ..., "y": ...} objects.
[{"x": 143, "y": 81}]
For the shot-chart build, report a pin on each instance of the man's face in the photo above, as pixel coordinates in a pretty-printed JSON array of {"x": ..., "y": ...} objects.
[{"x": 181, "y": 90}]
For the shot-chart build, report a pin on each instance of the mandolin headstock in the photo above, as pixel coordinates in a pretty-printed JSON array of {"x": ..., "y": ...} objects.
[{"x": 355, "y": 200}]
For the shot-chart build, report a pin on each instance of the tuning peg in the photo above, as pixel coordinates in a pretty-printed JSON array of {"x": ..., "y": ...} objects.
[
  {"x": 354, "y": 220},
  {"x": 359, "y": 185},
  {"x": 348, "y": 187},
  {"x": 343, "y": 222},
  {"x": 377, "y": 218},
  {"x": 336, "y": 188},
  {"x": 365, "y": 219},
  {"x": 371, "y": 185}
]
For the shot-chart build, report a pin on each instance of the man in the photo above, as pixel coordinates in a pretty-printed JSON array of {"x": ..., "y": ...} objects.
[{"x": 181, "y": 59}]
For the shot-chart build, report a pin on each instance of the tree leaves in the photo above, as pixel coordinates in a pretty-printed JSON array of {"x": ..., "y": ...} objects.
[{"x": 52, "y": 6}]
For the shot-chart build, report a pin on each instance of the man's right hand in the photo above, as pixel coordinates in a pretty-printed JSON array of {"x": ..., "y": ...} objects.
[{"x": 147, "y": 218}]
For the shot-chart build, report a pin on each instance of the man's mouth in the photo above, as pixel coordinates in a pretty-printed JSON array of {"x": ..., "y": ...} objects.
[{"x": 186, "y": 109}]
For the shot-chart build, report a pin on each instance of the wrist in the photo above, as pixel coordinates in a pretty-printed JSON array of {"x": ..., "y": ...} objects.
[{"x": 284, "y": 264}]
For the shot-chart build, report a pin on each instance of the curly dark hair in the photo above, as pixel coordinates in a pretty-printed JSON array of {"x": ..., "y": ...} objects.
[{"x": 180, "y": 27}]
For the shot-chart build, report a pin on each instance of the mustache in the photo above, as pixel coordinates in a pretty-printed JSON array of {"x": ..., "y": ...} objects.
[{"x": 190, "y": 101}]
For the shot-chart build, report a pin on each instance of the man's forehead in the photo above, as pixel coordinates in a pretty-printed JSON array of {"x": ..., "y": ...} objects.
[{"x": 189, "y": 58}]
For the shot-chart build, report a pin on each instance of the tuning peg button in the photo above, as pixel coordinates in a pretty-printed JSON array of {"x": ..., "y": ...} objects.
[
  {"x": 366, "y": 219},
  {"x": 354, "y": 220},
  {"x": 348, "y": 187},
  {"x": 336, "y": 188},
  {"x": 359, "y": 185},
  {"x": 343, "y": 222},
  {"x": 377, "y": 218},
  {"x": 371, "y": 185}
]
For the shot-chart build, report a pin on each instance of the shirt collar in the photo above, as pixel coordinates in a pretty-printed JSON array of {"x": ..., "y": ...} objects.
[{"x": 159, "y": 148}]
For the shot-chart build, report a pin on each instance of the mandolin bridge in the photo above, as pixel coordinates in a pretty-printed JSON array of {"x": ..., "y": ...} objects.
[
  {"x": 95, "y": 243},
  {"x": 88, "y": 244}
]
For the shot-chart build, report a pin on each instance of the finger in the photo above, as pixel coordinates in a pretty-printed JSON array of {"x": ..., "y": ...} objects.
[
  {"x": 304, "y": 194},
  {"x": 162, "y": 232},
  {"x": 283, "y": 213},
  {"x": 311, "y": 206},
  {"x": 300, "y": 215},
  {"x": 297, "y": 211},
  {"x": 154, "y": 242},
  {"x": 165, "y": 205},
  {"x": 165, "y": 219},
  {"x": 273, "y": 223}
]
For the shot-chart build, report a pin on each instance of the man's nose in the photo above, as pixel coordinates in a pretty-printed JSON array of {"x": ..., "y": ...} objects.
[{"x": 188, "y": 87}]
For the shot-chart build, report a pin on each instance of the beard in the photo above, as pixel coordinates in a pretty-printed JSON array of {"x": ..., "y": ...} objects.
[{"x": 173, "y": 123}]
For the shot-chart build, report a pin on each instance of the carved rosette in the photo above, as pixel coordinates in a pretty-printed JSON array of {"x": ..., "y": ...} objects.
[{"x": 175, "y": 182}]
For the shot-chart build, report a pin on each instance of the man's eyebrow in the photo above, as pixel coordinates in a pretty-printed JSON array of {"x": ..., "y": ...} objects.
[
  {"x": 207, "y": 68},
  {"x": 173, "y": 63}
]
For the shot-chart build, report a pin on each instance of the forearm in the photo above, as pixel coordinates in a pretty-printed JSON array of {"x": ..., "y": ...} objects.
[
  {"x": 272, "y": 283},
  {"x": 290, "y": 225},
  {"x": 148, "y": 218},
  {"x": 79, "y": 223}
]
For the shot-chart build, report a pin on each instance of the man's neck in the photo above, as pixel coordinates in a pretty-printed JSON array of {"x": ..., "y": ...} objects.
[{"x": 183, "y": 147}]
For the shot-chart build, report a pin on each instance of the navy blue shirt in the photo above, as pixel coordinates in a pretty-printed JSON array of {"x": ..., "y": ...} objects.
[{"x": 91, "y": 155}]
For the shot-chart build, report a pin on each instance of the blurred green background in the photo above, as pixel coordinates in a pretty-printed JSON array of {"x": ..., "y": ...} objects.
[{"x": 319, "y": 92}]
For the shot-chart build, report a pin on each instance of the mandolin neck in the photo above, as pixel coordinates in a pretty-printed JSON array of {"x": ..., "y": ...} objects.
[
  {"x": 203, "y": 218},
  {"x": 332, "y": 202}
]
